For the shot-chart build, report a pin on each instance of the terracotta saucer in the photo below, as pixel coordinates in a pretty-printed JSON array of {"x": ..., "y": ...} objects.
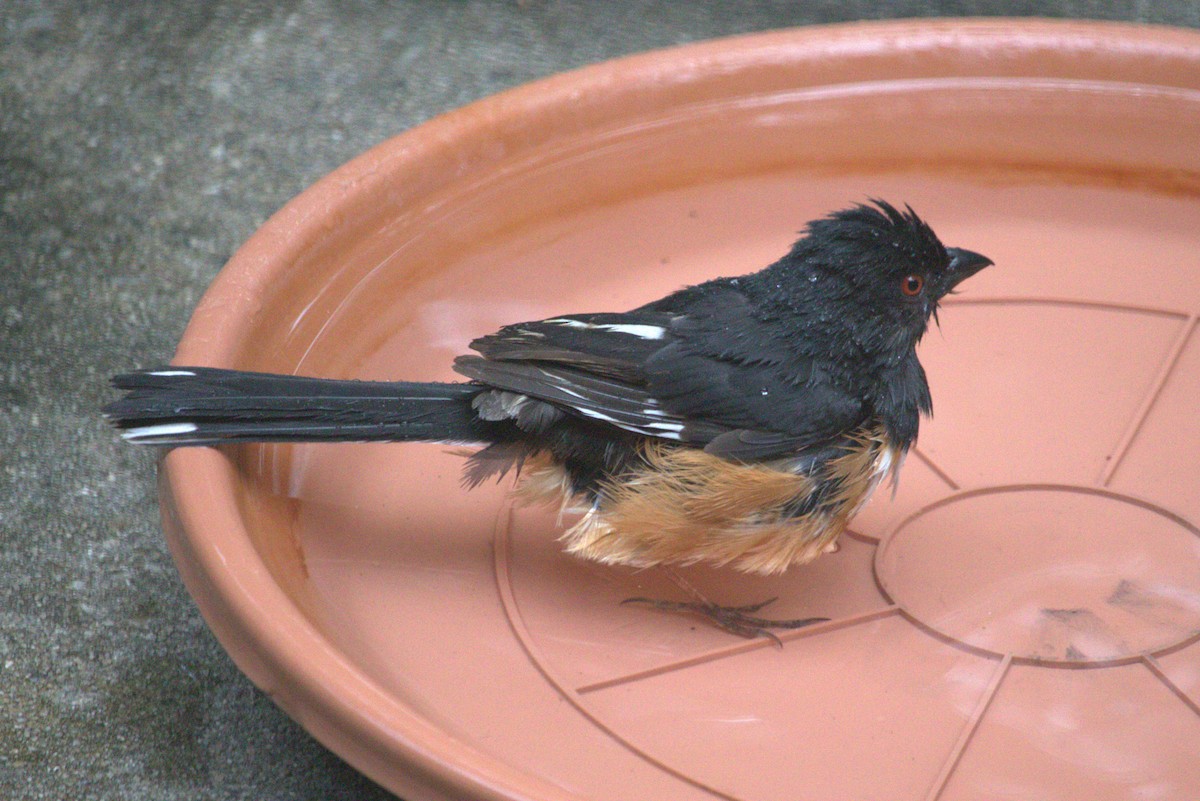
[{"x": 1022, "y": 619}]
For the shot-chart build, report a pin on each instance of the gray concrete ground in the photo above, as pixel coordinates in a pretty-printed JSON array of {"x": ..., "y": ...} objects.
[{"x": 140, "y": 143}]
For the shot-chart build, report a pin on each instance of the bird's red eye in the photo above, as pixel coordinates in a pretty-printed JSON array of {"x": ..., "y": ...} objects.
[{"x": 912, "y": 285}]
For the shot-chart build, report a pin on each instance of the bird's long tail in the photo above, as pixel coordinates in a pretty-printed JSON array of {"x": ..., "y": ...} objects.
[{"x": 208, "y": 406}]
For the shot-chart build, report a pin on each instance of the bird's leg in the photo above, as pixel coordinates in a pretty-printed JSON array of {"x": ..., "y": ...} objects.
[{"x": 739, "y": 620}]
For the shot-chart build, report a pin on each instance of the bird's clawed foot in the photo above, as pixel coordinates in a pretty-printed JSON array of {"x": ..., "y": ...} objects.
[{"x": 739, "y": 620}]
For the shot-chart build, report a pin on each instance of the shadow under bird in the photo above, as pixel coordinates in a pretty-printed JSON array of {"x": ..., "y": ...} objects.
[{"x": 742, "y": 421}]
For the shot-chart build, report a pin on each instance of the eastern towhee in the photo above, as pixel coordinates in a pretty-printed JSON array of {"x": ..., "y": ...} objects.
[{"x": 742, "y": 421}]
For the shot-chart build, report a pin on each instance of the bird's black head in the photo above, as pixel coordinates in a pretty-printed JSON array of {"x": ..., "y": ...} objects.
[{"x": 879, "y": 271}]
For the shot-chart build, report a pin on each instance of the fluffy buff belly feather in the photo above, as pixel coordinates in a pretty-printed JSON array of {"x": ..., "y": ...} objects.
[{"x": 682, "y": 506}]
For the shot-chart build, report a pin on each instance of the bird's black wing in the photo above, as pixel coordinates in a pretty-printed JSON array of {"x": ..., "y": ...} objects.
[
  {"x": 590, "y": 364},
  {"x": 734, "y": 363},
  {"x": 613, "y": 345},
  {"x": 763, "y": 412},
  {"x": 697, "y": 367}
]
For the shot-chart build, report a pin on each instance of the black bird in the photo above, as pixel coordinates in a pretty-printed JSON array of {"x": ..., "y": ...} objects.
[{"x": 741, "y": 421}]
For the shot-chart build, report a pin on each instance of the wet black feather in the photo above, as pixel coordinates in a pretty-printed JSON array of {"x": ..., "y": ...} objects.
[{"x": 781, "y": 363}]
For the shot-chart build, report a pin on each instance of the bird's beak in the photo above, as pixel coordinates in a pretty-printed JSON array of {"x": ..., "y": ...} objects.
[{"x": 964, "y": 264}]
